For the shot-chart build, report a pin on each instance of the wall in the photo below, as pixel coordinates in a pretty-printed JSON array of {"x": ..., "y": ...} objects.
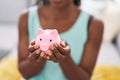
[{"x": 10, "y": 10}]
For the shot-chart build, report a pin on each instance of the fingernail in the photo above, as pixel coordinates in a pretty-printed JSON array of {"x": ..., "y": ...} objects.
[
  {"x": 36, "y": 46},
  {"x": 51, "y": 47},
  {"x": 48, "y": 57},
  {"x": 49, "y": 52},
  {"x": 45, "y": 56},
  {"x": 42, "y": 54},
  {"x": 37, "y": 52},
  {"x": 56, "y": 45},
  {"x": 63, "y": 44}
]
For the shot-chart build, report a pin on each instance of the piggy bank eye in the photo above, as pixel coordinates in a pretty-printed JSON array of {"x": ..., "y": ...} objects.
[
  {"x": 40, "y": 39},
  {"x": 50, "y": 40}
]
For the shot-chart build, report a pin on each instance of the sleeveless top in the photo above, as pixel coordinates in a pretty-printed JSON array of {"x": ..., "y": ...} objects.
[{"x": 76, "y": 36}]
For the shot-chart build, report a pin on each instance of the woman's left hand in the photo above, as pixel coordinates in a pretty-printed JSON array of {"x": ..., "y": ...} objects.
[{"x": 59, "y": 52}]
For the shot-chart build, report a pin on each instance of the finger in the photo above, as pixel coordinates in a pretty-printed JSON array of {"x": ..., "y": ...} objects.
[
  {"x": 64, "y": 50},
  {"x": 34, "y": 55},
  {"x": 33, "y": 42},
  {"x": 60, "y": 48},
  {"x": 63, "y": 43},
  {"x": 41, "y": 57},
  {"x": 57, "y": 53},
  {"x": 47, "y": 56},
  {"x": 52, "y": 56},
  {"x": 33, "y": 48}
]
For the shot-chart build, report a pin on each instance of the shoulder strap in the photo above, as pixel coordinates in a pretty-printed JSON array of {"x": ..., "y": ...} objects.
[
  {"x": 32, "y": 17},
  {"x": 89, "y": 21}
]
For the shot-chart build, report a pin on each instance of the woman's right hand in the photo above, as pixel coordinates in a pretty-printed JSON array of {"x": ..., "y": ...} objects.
[{"x": 35, "y": 54}]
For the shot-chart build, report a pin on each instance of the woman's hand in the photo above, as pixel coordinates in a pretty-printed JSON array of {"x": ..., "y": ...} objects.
[
  {"x": 36, "y": 55},
  {"x": 59, "y": 52}
]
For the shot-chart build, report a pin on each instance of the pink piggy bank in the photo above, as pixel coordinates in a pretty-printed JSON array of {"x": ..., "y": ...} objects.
[{"x": 45, "y": 38}]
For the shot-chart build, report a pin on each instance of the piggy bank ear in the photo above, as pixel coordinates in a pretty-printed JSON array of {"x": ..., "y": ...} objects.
[
  {"x": 54, "y": 32},
  {"x": 40, "y": 31}
]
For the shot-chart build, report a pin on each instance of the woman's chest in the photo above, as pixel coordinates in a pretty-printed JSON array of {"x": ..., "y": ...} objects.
[{"x": 62, "y": 25}]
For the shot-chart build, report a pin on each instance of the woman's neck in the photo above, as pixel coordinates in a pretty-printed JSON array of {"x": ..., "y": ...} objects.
[{"x": 62, "y": 12}]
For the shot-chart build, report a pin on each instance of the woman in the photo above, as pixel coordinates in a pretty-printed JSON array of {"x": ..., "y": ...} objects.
[{"x": 81, "y": 31}]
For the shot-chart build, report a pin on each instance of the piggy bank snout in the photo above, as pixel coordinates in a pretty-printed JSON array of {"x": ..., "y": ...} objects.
[{"x": 44, "y": 47}]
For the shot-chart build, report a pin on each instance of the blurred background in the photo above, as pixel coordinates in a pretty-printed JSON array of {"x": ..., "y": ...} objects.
[{"x": 106, "y": 10}]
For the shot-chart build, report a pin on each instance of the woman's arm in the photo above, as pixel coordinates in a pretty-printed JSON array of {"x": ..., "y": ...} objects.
[
  {"x": 85, "y": 68},
  {"x": 28, "y": 64}
]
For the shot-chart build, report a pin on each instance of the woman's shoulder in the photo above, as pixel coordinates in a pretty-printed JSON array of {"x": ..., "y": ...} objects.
[
  {"x": 96, "y": 23},
  {"x": 96, "y": 29},
  {"x": 23, "y": 14},
  {"x": 23, "y": 22}
]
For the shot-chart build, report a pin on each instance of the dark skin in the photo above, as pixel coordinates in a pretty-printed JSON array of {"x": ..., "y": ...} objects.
[{"x": 32, "y": 60}]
